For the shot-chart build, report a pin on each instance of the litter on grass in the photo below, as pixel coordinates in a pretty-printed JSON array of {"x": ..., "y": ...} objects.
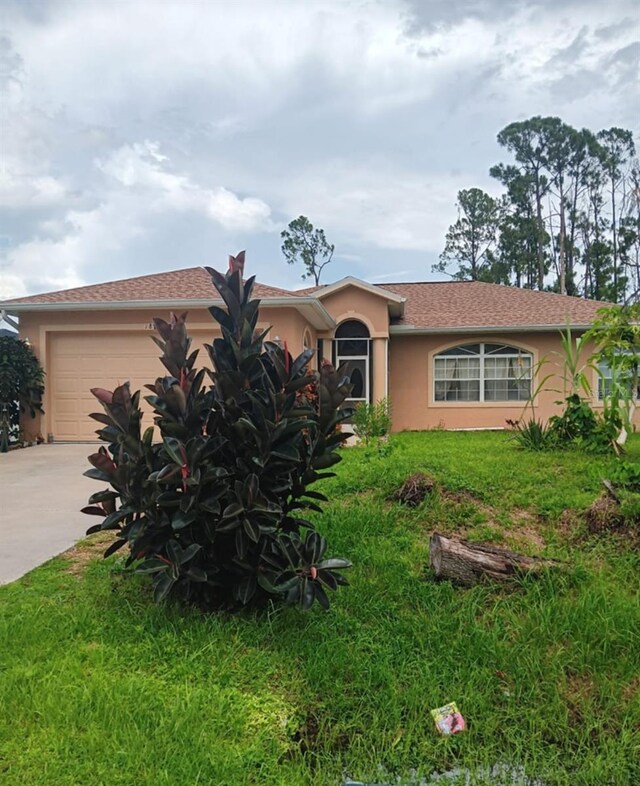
[{"x": 448, "y": 719}]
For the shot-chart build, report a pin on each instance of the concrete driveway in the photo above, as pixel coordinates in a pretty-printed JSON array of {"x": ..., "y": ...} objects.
[{"x": 41, "y": 492}]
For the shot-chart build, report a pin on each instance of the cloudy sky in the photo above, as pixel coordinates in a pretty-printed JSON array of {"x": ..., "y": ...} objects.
[{"x": 141, "y": 136}]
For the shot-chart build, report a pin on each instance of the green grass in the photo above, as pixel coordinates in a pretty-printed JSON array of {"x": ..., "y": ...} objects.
[{"x": 99, "y": 686}]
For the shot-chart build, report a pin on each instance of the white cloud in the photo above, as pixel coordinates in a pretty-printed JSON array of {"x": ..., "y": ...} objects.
[
  {"x": 28, "y": 191},
  {"x": 252, "y": 113},
  {"x": 143, "y": 167},
  {"x": 140, "y": 192},
  {"x": 376, "y": 203}
]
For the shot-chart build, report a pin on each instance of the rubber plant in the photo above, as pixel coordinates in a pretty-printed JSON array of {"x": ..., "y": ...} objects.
[{"x": 213, "y": 505}]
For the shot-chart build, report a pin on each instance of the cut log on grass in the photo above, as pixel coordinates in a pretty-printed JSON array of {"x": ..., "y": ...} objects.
[{"x": 469, "y": 563}]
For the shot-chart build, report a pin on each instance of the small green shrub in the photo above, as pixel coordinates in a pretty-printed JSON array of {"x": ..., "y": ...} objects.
[
  {"x": 214, "y": 511},
  {"x": 372, "y": 421},
  {"x": 627, "y": 475},
  {"x": 532, "y": 434},
  {"x": 21, "y": 386},
  {"x": 579, "y": 426},
  {"x": 577, "y": 421}
]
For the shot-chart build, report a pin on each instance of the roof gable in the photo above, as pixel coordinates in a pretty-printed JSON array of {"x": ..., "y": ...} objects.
[{"x": 394, "y": 300}]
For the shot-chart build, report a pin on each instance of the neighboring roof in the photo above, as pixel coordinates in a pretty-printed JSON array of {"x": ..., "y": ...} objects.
[
  {"x": 192, "y": 283},
  {"x": 4, "y": 333},
  {"x": 472, "y": 304}
]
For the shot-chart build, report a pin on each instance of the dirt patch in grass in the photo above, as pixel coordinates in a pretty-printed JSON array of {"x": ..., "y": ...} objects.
[
  {"x": 464, "y": 515},
  {"x": 632, "y": 689},
  {"x": 527, "y": 536},
  {"x": 604, "y": 515},
  {"x": 463, "y": 497},
  {"x": 414, "y": 490},
  {"x": 576, "y": 692},
  {"x": 311, "y": 736},
  {"x": 83, "y": 553}
]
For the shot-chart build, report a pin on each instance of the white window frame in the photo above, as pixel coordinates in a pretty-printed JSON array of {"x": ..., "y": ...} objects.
[
  {"x": 367, "y": 365},
  {"x": 481, "y": 379}
]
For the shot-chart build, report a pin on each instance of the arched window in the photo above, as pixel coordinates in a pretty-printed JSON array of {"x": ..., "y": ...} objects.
[
  {"x": 482, "y": 372},
  {"x": 352, "y": 346}
]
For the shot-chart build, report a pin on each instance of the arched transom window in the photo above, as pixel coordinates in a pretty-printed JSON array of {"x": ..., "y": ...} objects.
[
  {"x": 482, "y": 372},
  {"x": 352, "y": 346}
]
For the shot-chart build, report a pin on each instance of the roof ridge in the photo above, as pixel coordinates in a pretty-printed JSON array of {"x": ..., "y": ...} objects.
[{"x": 496, "y": 284}]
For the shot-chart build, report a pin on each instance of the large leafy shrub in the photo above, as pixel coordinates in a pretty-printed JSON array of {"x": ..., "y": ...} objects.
[
  {"x": 21, "y": 385},
  {"x": 214, "y": 512}
]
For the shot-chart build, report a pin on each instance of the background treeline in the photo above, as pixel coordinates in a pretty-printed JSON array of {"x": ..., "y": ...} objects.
[{"x": 568, "y": 220}]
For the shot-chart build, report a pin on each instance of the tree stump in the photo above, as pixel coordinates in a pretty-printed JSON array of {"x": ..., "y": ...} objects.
[{"x": 469, "y": 563}]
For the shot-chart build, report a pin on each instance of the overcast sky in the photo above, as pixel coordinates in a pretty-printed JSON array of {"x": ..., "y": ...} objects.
[{"x": 147, "y": 136}]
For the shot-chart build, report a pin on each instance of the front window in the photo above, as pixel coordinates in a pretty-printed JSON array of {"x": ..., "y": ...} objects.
[
  {"x": 606, "y": 377},
  {"x": 482, "y": 372},
  {"x": 352, "y": 346}
]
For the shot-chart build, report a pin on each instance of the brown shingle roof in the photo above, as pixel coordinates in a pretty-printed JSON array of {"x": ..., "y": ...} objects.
[
  {"x": 430, "y": 305},
  {"x": 462, "y": 304},
  {"x": 188, "y": 284}
]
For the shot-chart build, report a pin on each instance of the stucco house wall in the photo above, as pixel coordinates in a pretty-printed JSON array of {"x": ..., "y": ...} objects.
[
  {"x": 83, "y": 349},
  {"x": 100, "y": 336},
  {"x": 411, "y": 382}
]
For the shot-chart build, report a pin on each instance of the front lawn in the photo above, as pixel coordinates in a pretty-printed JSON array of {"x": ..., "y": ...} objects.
[{"x": 99, "y": 686}]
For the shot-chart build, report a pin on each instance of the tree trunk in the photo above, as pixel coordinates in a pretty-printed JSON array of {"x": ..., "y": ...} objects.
[
  {"x": 469, "y": 563},
  {"x": 615, "y": 238},
  {"x": 563, "y": 261},
  {"x": 539, "y": 239}
]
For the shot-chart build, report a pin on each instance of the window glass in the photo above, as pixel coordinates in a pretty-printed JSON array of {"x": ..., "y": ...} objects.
[
  {"x": 358, "y": 372},
  {"x": 498, "y": 372},
  {"x": 458, "y": 390},
  {"x": 605, "y": 381},
  {"x": 352, "y": 328},
  {"x": 464, "y": 349},
  {"x": 352, "y": 346}
]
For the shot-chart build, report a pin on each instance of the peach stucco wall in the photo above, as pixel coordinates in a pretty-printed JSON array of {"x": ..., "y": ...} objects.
[
  {"x": 113, "y": 327},
  {"x": 354, "y": 303},
  {"x": 411, "y": 382},
  {"x": 371, "y": 309},
  {"x": 402, "y": 365}
]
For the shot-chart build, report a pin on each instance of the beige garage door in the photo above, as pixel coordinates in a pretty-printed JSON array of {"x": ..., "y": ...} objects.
[{"x": 81, "y": 361}]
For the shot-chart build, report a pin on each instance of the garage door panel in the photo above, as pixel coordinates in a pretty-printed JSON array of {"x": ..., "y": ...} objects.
[{"x": 81, "y": 361}]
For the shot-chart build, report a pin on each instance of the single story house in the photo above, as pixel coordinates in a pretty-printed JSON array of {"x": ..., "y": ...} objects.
[{"x": 451, "y": 355}]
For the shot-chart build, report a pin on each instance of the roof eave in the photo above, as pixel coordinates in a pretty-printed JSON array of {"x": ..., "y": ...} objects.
[
  {"x": 413, "y": 330},
  {"x": 310, "y": 307}
]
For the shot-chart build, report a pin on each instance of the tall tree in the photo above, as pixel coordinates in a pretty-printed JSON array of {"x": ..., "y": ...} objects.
[
  {"x": 560, "y": 143},
  {"x": 470, "y": 241},
  {"x": 527, "y": 141},
  {"x": 519, "y": 237},
  {"x": 629, "y": 234},
  {"x": 303, "y": 243},
  {"x": 619, "y": 149},
  {"x": 584, "y": 152}
]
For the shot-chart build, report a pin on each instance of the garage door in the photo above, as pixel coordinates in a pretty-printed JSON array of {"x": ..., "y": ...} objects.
[{"x": 81, "y": 361}]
